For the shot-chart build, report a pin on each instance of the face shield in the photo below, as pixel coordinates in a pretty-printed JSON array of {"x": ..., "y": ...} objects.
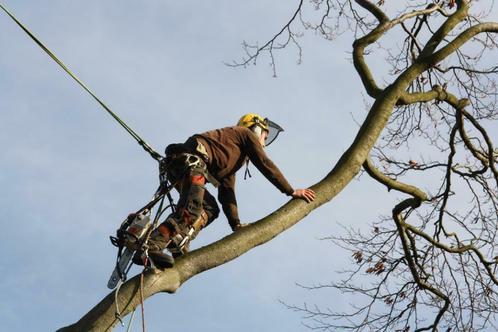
[{"x": 273, "y": 131}]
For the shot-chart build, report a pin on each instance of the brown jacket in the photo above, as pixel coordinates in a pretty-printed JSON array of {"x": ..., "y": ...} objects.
[{"x": 228, "y": 149}]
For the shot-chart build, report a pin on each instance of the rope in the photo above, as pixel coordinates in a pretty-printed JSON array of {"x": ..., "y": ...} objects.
[
  {"x": 117, "y": 313},
  {"x": 142, "y": 296},
  {"x": 140, "y": 141},
  {"x": 131, "y": 321}
]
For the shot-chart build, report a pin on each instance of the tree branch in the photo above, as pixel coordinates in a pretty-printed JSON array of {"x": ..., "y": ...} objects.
[
  {"x": 384, "y": 25},
  {"x": 391, "y": 183},
  {"x": 441, "y": 33},
  {"x": 456, "y": 43},
  {"x": 401, "y": 226},
  {"x": 270, "y": 44}
]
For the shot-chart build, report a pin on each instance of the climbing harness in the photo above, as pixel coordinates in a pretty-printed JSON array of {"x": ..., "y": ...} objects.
[
  {"x": 133, "y": 234},
  {"x": 140, "y": 141}
]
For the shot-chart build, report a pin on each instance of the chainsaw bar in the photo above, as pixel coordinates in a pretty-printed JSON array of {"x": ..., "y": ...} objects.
[{"x": 121, "y": 268}]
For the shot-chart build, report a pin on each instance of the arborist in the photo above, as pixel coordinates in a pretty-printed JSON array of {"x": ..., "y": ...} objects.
[{"x": 214, "y": 156}]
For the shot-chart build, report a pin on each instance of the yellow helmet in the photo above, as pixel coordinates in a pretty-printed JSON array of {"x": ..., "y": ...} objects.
[
  {"x": 256, "y": 123},
  {"x": 250, "y": 120}
]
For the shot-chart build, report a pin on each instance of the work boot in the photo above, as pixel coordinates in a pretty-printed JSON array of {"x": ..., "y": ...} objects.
[
  {"x": 156, "y": 244},
  {"x": 177, "y": 252},
  {"x": 160, "y": 259},
  {"x": 158, "y": 241}
]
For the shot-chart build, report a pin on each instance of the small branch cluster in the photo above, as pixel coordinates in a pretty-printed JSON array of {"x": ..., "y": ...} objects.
[
  {"x": 281, "y": 40},
  {"x": 437, "y": 252},
  {"x": 328, "y": 26}
]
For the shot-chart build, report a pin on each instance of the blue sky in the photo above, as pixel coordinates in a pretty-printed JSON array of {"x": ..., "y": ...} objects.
[{"x": 70, "y": 174}]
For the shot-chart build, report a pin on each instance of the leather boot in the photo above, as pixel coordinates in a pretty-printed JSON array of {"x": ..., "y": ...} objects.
[{"x": 156, "y": 244}]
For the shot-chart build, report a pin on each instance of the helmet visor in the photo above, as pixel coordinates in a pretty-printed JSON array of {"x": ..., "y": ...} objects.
[{"x": 273, "y": 131}]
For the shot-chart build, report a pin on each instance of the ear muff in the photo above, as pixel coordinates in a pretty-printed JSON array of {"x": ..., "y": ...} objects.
[{"x": 257, "y": 130}]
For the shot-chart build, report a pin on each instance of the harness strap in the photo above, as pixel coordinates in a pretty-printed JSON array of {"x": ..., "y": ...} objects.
[
  {"x": 247, "y": 171},
  {"x": 186, "y": 161},
  {"x": 202, "y": 152},
  {"x": 195, "y": 161}
]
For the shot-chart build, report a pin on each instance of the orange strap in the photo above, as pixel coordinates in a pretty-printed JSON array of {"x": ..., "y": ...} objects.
[{"x": 199, "y": 180}]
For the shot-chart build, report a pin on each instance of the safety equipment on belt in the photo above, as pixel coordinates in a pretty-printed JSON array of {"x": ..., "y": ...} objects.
[
  {"x": 186, "y": 165},
  {"x": 178, "y": 160},
  {"x": 257, "y": 123}
]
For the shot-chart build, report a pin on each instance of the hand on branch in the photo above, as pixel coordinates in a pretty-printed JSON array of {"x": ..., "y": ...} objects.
[{"x": 307, "y": 194}]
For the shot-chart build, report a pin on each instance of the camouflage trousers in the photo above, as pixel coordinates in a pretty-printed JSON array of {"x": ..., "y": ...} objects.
[{"x": 196, "y": 207}]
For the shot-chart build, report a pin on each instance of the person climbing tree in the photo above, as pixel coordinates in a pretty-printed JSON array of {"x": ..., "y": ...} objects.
[{"x": 214, "y": 156}]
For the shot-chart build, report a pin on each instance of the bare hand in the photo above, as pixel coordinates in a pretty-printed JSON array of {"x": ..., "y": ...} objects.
[{"x": 307, "y": 194}]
